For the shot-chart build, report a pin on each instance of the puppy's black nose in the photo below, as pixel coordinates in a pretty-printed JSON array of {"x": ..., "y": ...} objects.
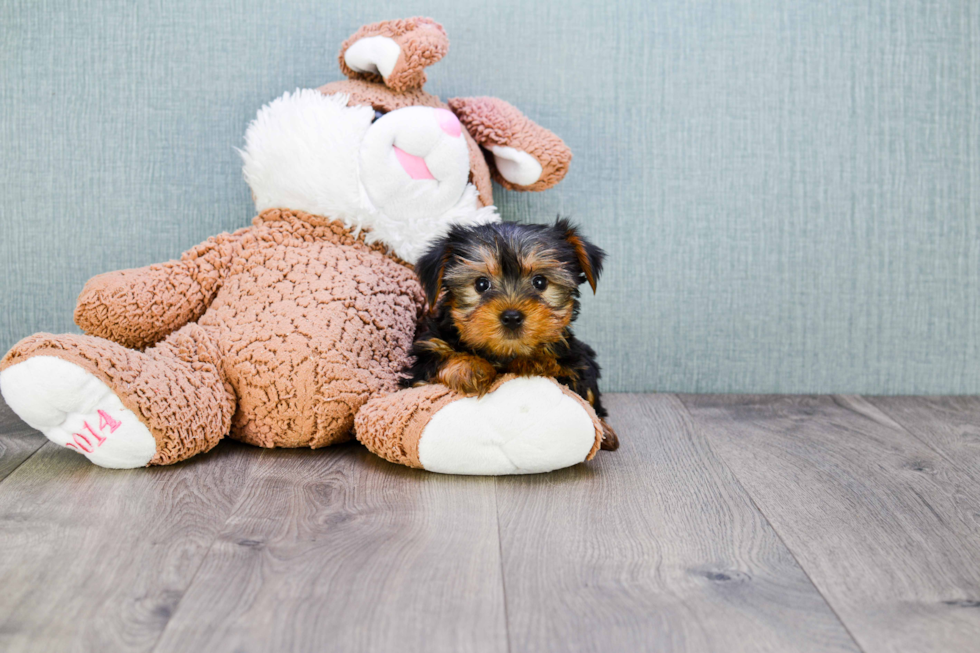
[{"x": 511, "y": 318}]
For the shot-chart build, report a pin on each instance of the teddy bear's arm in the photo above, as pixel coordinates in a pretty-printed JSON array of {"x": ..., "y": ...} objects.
[{"x": 137, "y": 308}]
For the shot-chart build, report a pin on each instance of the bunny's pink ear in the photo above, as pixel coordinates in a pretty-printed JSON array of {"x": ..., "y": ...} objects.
[
  {"x": 394, "y": 52},
  {"x": 525, "y": 156}
]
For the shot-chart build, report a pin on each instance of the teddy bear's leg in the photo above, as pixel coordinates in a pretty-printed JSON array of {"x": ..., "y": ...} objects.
[
  {"x": 524, "y": 425},
  {"x": 119, "y": 407}
]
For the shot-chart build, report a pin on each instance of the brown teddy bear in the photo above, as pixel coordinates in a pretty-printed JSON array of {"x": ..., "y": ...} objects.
[{"x": 281, "y": 333}]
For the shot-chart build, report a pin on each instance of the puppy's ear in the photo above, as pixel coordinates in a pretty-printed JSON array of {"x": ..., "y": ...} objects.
[
  {"x": 589, "y": 256},
  {"x": 430, "y": 268}
]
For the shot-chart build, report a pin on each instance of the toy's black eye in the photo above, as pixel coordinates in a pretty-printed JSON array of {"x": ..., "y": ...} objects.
[
  {"x": 539, "y": 282},
  {"x": 482, "y": 285},
  {"x": 378, "y": 114}
]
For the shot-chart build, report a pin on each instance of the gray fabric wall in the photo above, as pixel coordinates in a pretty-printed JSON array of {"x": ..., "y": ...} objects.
[{"x": 788, "y": 189}]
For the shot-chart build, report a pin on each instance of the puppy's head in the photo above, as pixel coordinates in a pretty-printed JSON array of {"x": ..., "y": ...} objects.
[{"x": 510, "y": 289}]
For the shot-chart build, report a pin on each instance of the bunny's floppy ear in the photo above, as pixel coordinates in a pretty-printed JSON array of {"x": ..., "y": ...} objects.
[
  {"x": 394, "y": 52},
  {"x": 526, "y": 156},
  {"x": 589, "y": 256}
]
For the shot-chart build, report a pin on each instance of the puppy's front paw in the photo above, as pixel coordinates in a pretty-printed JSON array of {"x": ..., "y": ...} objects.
[{"x": 467, "y": 374}]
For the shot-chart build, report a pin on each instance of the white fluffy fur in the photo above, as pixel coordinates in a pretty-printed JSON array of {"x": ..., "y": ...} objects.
[{"x": 301, "y": 152}]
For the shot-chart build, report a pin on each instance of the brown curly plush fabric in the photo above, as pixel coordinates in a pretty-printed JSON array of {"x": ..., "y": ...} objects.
[
  {"x": 491, "y": 121},
  {"x": 137, "y": 308},
  {"x": 384, "y": 99},
  {"x": 299, "y": 324},
  {"x": 422, "y": 41},
  {"x": 391, "y": 425}
]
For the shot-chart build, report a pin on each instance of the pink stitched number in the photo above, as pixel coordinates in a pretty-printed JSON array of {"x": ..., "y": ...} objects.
[
  {"x": 98, "y": 436},
  {"x": 105, "y": 419},
  {"x": 79, "y": 438}
]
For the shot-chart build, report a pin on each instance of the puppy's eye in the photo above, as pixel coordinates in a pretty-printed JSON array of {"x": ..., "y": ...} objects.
[
  {"x": 482, "y": 285},
  {"x": 539, "y": 282}
]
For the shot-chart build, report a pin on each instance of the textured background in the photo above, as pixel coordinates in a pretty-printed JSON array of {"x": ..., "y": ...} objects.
[{"x": 788, "y": 189}]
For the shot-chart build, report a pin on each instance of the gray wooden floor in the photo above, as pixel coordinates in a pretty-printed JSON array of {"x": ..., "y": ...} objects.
[{"x": 723, "y": 523}]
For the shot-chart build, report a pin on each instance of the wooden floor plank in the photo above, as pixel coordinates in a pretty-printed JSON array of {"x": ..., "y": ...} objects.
[
  {"x": 658, "y": 546},
  {"x": 18, "y": 441},
  {"x": 338, "y": 550},
  {"x": 888, "y": 529},
  {"x": 95, "y": 559},
  {"x": 653, "y": 547},
  {"x": 948, "y": 425}
]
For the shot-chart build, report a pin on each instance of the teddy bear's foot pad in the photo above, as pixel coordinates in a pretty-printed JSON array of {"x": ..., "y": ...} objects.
[
  {"x": 526, "y": 426},
  {"x": 74, "y": 409}
]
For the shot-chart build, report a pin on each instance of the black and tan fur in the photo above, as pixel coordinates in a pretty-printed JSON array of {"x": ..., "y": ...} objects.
[{"x": 502, "y": 298}]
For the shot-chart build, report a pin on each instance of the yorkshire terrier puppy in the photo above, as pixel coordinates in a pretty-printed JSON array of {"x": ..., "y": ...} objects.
[{"x": 501, "y": 299}]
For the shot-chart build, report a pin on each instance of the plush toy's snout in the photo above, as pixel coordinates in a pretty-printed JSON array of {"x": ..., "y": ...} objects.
[
  {"x": 449, "y": 122},
  {"x": 414, "y": 162}
]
